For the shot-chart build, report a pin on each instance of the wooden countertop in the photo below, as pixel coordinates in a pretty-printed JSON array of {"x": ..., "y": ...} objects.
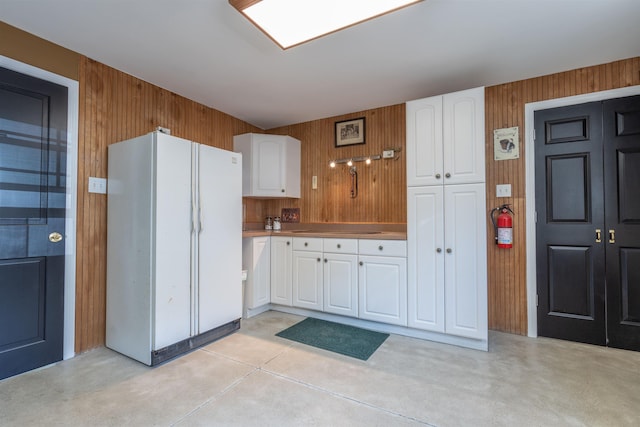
[{"x": 339, "y": 232}]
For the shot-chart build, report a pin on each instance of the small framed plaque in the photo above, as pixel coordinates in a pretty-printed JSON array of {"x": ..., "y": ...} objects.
[{"x": 506, "y": 144}]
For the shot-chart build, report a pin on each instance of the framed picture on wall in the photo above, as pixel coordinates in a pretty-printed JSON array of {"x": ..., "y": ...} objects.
[{"x": 350, "y": 132}]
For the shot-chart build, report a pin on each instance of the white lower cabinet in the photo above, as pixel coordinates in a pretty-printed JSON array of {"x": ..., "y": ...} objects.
[
  {"x": 307, "y": 273},
  {"x": 256, "y": 259},
  {"x": 465, "y": 265},
  {"x": 446, "y": 230},
  {"x": 340, "y": 276},
  {"x": 281, "y": 268},
  {"x": 382, "y": 281}
]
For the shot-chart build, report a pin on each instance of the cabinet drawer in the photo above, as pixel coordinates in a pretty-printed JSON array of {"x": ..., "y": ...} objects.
[
  {"x": 341, "y": 246},
  {"x": 383, "y": 247},
  {"x": 307, "y": 244}
]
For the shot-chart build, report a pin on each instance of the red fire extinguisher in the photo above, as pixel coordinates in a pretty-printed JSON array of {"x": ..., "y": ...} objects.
[{"x": 503, "y": 226}]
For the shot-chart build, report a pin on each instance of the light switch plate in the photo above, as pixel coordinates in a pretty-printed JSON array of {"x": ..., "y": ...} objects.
[
  {"x": 97, "y": 185},
  {"x": 503, "y": 190}
]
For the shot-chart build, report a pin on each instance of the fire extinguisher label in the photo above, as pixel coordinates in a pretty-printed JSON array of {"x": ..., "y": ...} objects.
[{"x": 505, "y": 236}]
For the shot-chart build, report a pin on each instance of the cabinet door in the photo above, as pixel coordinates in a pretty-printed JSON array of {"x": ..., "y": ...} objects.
[
  {"x": 463, "y": 136},
  {"x": 340, "y": 277},
  {"x": 307, "y": 280},
  {"x": 292, "y": 165},
  {"x": 425, "y": 238},
  {"x": 258, "y": 256},
  {"x": 269, "y": 166},
  {"x": 281, "y": 270},
  {"x": 465, "y": 261},
  {"x": 424, "y": 142},
  {"x": 382, "y": 289}
]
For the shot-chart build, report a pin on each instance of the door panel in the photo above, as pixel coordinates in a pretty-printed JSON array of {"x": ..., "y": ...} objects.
[
  {"x": 568, "y": 202},
  {"x": 628, "y": 179},
  {"x": 569, "y": 206},
  {"x": 570, "y": 282},
  {"x": 33, "y": 120},
  {"x": 23, "y": 305},
  {"x": 622, "y": 181}
]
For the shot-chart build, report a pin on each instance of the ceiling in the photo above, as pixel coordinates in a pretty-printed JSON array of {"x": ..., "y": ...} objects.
[{"x": 206, "y": 51}]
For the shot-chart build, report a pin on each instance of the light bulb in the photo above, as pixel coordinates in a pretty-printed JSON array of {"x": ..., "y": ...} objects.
[
  {"x": 350, "y": 163},
  {"x": 368, "y": 161},
  {"x": 332, "y": 164}
]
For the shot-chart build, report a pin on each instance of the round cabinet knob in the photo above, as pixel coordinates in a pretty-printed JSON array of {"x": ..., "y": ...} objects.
[
  {"x": 338, "y": 245},
  {"x": 325, "y": 260},
  {"x": 361, "y": 263},
  {"x": 318, "y": 260},
  {"x": 380, "y": 248},
  {"x": 449, "y": 250},
  {"x": 439, "y": 250},
  {"x": 437, "y": 176},
  {"x": 282, "y": 191},
  {"x": 447, "y": 175},
  {"x": 306, "y": 244},
  {"x": 288, "y": 243}
]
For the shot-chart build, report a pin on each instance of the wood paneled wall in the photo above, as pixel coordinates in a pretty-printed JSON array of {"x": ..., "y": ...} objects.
[
  {"x": 32, "y": 50},
  {"x": 381, "y": 185},
  {"x": 504, "y": 107},
  {"x": 115, "y": 106}
]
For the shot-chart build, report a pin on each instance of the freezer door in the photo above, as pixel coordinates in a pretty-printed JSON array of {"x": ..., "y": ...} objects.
[{"x": 172, "y": 236}]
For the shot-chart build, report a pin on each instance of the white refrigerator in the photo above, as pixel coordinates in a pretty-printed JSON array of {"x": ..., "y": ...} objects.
[{"x": 174, "y": 246}]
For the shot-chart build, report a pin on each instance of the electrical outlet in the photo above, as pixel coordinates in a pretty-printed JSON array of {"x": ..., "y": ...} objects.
[
  {"x": 314, "y": 182},
  {"x": 388, "y": 154},
  {"x": 503, "y": 190}
]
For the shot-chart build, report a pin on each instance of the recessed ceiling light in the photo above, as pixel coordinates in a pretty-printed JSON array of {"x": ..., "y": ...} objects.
[{"x": 292, "y": 22}]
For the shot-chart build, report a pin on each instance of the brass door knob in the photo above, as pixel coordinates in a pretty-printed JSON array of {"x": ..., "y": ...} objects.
[{"x": 55, "y": 237}]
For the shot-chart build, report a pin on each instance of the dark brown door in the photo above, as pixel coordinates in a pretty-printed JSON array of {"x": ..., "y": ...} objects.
[
  {"x": 33, "y": 132},
  {"x": 588, "y": 222},
  {"x": 569, "y": 207},
  {"x": 622, "y": 207}
]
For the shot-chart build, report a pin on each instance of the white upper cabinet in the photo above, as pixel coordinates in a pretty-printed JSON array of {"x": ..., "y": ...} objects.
[
  {"x": 271, "y": 165},
  {"x": 445, "y": 139},
  {"x": 424, "y": 141}
]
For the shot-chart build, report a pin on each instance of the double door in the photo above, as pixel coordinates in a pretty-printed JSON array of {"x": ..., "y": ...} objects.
[
  {"x": 588, "y": 222},
  {"x": 447, "y": 268}
]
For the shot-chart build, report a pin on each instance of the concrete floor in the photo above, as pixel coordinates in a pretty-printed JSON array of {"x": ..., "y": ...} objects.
[{"x": 255, "y": 378}]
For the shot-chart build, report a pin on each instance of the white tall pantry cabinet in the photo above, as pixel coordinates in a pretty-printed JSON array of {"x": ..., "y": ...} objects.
[
  {"x": 173, "y": 254},
  {"x": 446, "y": 217}
]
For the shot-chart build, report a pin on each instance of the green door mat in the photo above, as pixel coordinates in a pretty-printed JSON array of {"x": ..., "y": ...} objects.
[{"x": 336, "y": 337}]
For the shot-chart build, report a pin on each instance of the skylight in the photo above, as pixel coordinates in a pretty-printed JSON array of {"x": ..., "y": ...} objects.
[{"x": 292, "y": 22}]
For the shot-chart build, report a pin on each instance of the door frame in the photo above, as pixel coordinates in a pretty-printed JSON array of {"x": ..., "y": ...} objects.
[
  {"x": 68, "y": 349},
  {"x": 530, "y": 191}
]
